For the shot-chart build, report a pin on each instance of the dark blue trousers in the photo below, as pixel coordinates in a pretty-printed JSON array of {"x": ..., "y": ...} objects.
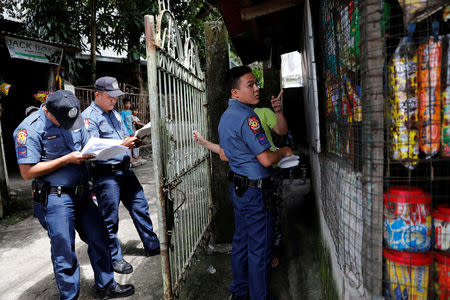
[
  {"x": 125, "y": 186},
  {"x": 252, "y": 245},
  {"x": 61, "y": 217}
]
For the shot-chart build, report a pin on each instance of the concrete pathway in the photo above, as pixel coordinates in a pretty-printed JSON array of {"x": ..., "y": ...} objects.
[
  {"x": 26, "y": 270},
  {"x": 297, "y": 276},
  {"x": 25, "y": 266}
]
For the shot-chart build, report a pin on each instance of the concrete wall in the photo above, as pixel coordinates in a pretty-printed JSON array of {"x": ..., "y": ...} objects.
[{"x": 347, "y": 282}]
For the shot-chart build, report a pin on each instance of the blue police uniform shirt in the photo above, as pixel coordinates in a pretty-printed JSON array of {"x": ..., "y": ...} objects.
[
  {"x": 107, "y": 125},
  {"x": 242, "y": 138},
  {"x": 39, "y": 139}
]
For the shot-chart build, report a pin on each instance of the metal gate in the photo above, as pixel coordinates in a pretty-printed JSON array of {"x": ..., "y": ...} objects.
[{"x": 182, "y": 168}]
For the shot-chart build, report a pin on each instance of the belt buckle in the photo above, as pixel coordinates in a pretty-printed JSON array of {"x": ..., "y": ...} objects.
[
  {"x": 259, "y": 184},
  {"x": 79, "y": 190}
]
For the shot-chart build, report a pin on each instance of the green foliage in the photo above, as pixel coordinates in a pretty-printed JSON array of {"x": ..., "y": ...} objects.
[
  {"x": 235, "y": 60},
  {"x": 54, "y": 21},
  {"x": 258, "y": 71},
  {"x": 120, "y": 23}
]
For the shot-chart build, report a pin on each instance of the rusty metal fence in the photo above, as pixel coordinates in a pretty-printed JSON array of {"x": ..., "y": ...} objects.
[
  {"x": 139, "y": 99},
  {"x": 182, "y": 168}
]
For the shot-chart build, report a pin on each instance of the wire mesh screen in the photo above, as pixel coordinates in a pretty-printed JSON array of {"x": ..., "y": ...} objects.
[
  {"x": 386, "y": 108},
  {"x": 416, "y": 181},
  {"x": 342, "y": 201}
]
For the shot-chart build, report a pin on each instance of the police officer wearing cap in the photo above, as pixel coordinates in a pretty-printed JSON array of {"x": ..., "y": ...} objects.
[
  {"x": 113, "y": 179},
  {"x": 48, "y": 145},
  {"x": 246, "y": 146}
]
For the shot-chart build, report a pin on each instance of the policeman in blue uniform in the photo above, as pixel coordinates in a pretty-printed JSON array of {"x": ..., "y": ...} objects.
[
  {"x": 245, "y": 145},
  {"x": 47, "y": 148},
  {"x": 113, "y": 179}
]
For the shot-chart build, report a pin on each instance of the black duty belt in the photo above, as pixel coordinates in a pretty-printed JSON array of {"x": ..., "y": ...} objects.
[
  {"x": 77, "y": 191},
  {"x": 259, "y": 183},
  {"x": 104, "y": 169},
  {"x": 262, "y": 183}
]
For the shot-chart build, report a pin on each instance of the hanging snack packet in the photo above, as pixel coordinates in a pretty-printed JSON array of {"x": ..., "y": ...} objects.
[
  {"x": 445, "y": 136},
  {"x": 403, "y": 87},
  {"x": 4, "y": 88},
  {"x": 429, "y": 95},
  {"x": 414, "y": 10},
  {"x": 41, "y": 96}
]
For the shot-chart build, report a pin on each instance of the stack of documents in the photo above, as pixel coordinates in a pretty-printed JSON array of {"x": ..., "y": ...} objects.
[
  {"x": 144, "y": 131},
  {"x": 103, "y": 149}
]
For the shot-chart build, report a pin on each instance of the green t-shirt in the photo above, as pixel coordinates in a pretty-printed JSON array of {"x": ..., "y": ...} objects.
[{"x": 268, "y": 121}]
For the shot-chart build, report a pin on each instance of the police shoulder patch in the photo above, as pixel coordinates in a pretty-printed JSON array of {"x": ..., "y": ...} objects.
[
  {"x": 21, "y": 137},
  {"x": 262, "y": 138},
  {"x": 21, "y": 151},
  {"x": 254, "y": 124},
  {"x": 86, "y": 123}
]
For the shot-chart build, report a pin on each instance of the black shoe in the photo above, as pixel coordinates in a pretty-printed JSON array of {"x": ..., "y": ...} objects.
[
  {"x": 116, "y": 291},
  {"x": 122, "y": 267},
  {"x": 153, "y": 252}
]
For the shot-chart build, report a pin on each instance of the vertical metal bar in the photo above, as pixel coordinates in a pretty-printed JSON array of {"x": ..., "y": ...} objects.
[
  {"x": 191, "y": 121},
  {"x": 183, "y": 121},
  {"x": 157, "y": 162},
  {"x": 177, "y": 124},
  {"x": 208, "y": 161},
  {"x": 162, "y": 118},
  {"x": 166, "y": 121},
  {"x": 199, "y": 155},
  {"x": 172, "y": 123},
  {"x": 189, "y": 175}
]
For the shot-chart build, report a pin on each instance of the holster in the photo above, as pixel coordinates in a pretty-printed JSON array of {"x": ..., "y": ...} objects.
[
  {"x": 240, "y": 184},
  {"x": 40, "y": 189}
]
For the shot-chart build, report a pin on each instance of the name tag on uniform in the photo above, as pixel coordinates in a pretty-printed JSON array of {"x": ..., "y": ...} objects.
[{"x": 51, "y": 137}]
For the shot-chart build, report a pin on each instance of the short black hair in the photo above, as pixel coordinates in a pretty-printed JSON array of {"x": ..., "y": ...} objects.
[
  {"x": 125, "y": 100},
  {"x": 235, "y": 74},
  {"x": 134, "y": 108}
]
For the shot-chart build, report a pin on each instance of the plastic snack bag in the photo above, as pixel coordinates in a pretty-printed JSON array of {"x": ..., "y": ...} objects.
[
  {"x": 4, "y": 88},
  {"x": 402, "y": 83}
]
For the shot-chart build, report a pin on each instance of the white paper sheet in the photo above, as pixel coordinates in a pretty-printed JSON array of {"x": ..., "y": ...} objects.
[
  {"x": 103, "y": 149},
  {"x": 144, "y": 131},
  {"x": 288, "y": 162}
]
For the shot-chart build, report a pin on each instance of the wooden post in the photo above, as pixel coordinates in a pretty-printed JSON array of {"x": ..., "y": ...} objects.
[
  {"x": 373, "y": 143},
  {"x": 217, "y": 66}
]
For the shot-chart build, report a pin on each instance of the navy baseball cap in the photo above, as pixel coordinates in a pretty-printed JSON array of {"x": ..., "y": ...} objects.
[
  {"x": 65, "y": 107},
  {"x": 109, "y": 85}
]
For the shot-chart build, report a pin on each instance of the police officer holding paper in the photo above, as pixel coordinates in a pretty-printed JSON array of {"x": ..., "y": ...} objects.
[
  {"x": 113, "y": 179},
  {"x": 47, "y": 148},
  {"x": 246, "y": 146}
]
